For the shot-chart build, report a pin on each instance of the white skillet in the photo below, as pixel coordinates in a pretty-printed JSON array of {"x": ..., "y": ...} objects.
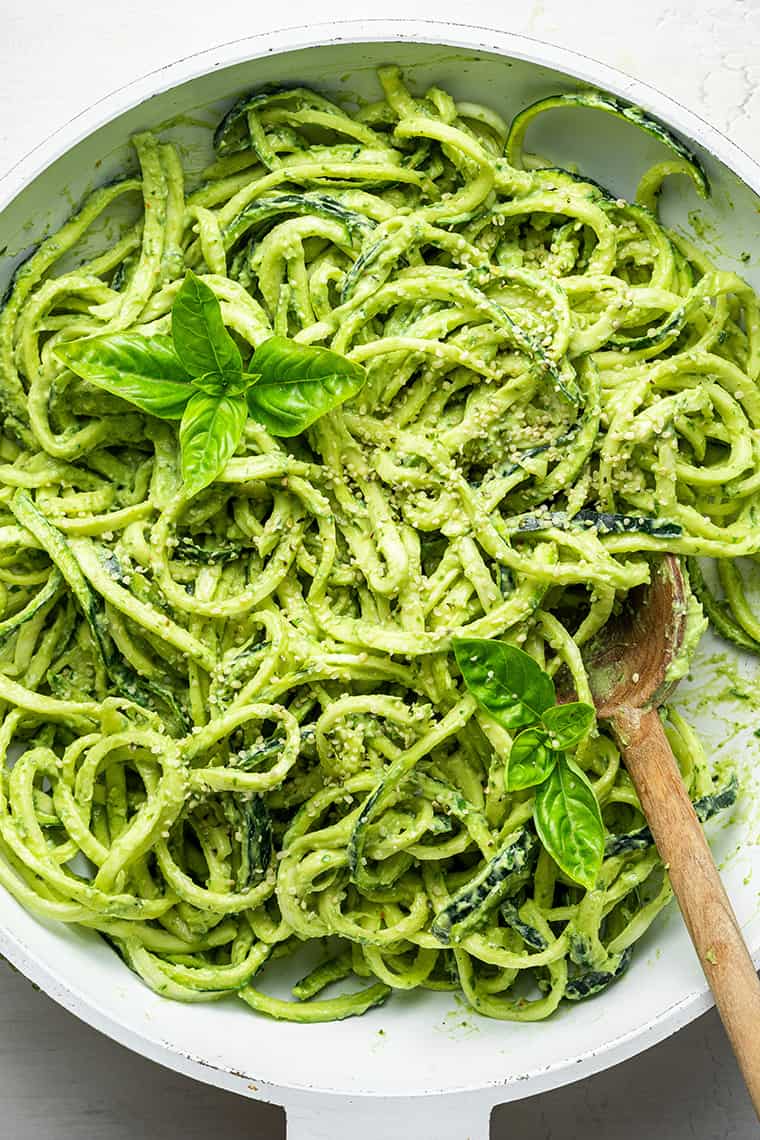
[{"x": 422, "y": 1066}]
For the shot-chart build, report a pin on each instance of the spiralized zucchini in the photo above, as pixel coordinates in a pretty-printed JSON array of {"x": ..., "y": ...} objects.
[{"x": 201, "y": 697}]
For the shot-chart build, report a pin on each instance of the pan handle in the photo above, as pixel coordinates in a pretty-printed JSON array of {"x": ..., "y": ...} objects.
[{"x": 464, "y": 1117}]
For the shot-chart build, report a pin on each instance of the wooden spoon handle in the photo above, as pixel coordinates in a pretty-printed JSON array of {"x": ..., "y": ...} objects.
[{"x": 696, "y": 883}]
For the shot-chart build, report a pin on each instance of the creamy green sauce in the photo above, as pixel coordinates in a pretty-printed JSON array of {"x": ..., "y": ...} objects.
[
  {"x": 696, "y": 624},
  {"x": 201, "y": 698}
]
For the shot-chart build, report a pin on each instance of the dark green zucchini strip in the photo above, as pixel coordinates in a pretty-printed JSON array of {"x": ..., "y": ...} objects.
[
  {"x": 629, "y": 841},
  {"x": 594, "y": 981},
  {"x": 365, "y": 259},
  {"x": 708, "y": 806},
  {"x": 472, "y": 902},
  {"x": 251, "y": 758},
  {"x": 50, "y": 592},
  {"x": 444, "y": 975},
  {"x": 127, "y": 682},
  {"x": 718, "y": 612},
  {"x": 673, "y": 325},
  {"x": 670, "y": 329},
  {"x": 122, "y": 274},
  {"x": 602, "y": 522},
  {"x": 530, "y": 936},
  {"x": 705, "y": 807},
  {"x": 391, "y": 868},
  {"x": 384, "y": 254},
  {"x": 582, "y": 434},
  {"x": 264, "y": 210},
  {"x": 208, "y": 555},
  {"x": 449, "y": 798},
  {"x": 238, "y": 670},
  {"x": 582, "y": 179},
  {"x": 233, "y": 134},
  {"x": 249, "y": 815},
  {"x": 612, "y": 105},
  {"x": 506, "y": 582},
  {"x": 505, "y": 469}
]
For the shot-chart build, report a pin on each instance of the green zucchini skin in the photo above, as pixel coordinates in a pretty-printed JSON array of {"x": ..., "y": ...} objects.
[
  {"x": 530, "y": 936},
  {"x": 669, "y": 330},
  {"x": 190, "y": 551},
  {"x": 486, "y": 890},
  {"x": 122, "y": 275},
  {"x": 718, "y": 613},
  {"x": 705, "y": 807},
  {"x": 250, "y": 758},
  {"x": 630, "y": 841},
  {"x": 506, "y": 582},
  {"x": 506, "y": 469},
  {"x": 592, "y": 982},
  {"x": 249, "y": 814},
  {"x": 116, "y": 570},
  {"x": 51, "y": 591},
  {"x": 603, "y": 522},
  {"x": 139, "y": 689},
  {"x": 708, "y": 806},
  {"x": 256, "y": 216},
  {"x": 612, "y": 105},
  {"x": 581, "y": 434},
  {"x": 232, "y": 134},
  {"x": 237, "y": 671},
  {"x": 392, "y": 868},
  {"x": 444, "y": 794},
  {"x": 366, "y": 258},
  {"x": 604, "y": 194}
]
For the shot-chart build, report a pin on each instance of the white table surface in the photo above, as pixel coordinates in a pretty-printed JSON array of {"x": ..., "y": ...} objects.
[{"x": 59, "y": 1079}]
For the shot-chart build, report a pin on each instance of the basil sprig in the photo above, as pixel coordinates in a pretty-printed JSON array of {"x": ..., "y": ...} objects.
[
  {"x": 519, "y": 695},
  {"x": 197, "y": 376}
]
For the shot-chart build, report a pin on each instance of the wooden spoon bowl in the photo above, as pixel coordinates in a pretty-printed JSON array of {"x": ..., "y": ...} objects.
[{"x": 629, "y": 660}]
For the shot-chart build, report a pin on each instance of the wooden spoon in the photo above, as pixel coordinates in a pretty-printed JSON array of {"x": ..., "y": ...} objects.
[{"x": 628, "y": 665}]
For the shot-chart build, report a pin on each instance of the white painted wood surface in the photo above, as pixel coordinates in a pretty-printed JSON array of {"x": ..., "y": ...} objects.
[{"x": 59, "y": 1080}]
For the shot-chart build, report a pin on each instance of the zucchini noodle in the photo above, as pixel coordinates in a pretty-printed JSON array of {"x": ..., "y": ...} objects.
[{"x": 233, "y": 724}]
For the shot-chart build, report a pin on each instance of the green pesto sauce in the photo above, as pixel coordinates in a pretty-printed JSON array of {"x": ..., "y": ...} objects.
[
  {"x": 696, "y": 624},
  {"x": 214, "y": 732}
]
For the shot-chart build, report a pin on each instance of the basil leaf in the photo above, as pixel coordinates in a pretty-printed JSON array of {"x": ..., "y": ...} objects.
[
  {"x": 298, "y": 384},
  {"x": 214, "y": 384},
  {"x": 569, "y": 822},
  {"x": 531, "y": 759},
  {"x": 568, "y": 724},
  {"x": 202, "y": 342},
  {"x": 208, "y": 435},
  {"x": 144, "y": 370},
  {"x": 506, "y": 681}
]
